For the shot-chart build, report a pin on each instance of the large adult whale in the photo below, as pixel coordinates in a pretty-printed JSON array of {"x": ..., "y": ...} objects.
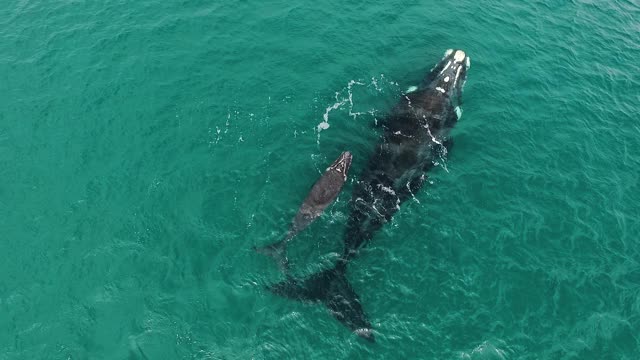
[
  {"x": 415, "y": 136},
  {"x": 323, "y": 192}
]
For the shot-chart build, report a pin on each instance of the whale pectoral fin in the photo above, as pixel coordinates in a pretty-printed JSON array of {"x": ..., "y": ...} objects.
[{"x": 411, "y": 89}]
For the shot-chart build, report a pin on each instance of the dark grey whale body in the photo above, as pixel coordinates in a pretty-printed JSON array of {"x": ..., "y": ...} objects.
[
  {"x": 415, "y": 135},
  {"x": 322, "y": 194}
]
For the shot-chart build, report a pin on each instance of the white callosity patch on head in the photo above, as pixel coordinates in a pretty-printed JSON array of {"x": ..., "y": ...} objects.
[
  {"x": 440, "y": 89},
  {"x": 445, "y": 67},
  {"x": 457, "y": 76},
  {"x": 459, "y": 56},
  {"x": 446, "y": 79}
]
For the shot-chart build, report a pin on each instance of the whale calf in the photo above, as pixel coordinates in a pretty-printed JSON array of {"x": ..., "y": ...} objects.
[
  {"x": 322, "y": 194},
  {"x": 415, "y": 135}
]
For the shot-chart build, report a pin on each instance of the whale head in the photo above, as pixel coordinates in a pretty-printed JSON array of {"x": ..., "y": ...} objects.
[
  {"x": 449, "y": 75},
  {"x": 342, "y": 164}
]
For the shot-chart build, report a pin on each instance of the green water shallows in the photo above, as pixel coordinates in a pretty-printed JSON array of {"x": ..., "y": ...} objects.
[{"x": 146, "y": 146}]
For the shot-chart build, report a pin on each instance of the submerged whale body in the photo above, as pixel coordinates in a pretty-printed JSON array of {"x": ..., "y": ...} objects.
[{"x": 415, "y": 135}]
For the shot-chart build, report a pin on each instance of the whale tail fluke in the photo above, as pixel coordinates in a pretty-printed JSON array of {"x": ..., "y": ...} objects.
[
  {"x": 277, "y": 251},
  {"x": 332, "y": 288}
]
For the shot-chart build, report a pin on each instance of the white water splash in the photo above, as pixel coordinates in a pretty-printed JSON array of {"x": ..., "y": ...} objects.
[
  {"x": 345, "y": 97},
  {"x": 324, "y": 125}
]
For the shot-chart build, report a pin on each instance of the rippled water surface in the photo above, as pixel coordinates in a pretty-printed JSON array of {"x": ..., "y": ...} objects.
[{"x": 146, "y": 146}]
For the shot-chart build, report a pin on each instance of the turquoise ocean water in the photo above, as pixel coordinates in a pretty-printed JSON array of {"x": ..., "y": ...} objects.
[{"x": 146, "y": 146}]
